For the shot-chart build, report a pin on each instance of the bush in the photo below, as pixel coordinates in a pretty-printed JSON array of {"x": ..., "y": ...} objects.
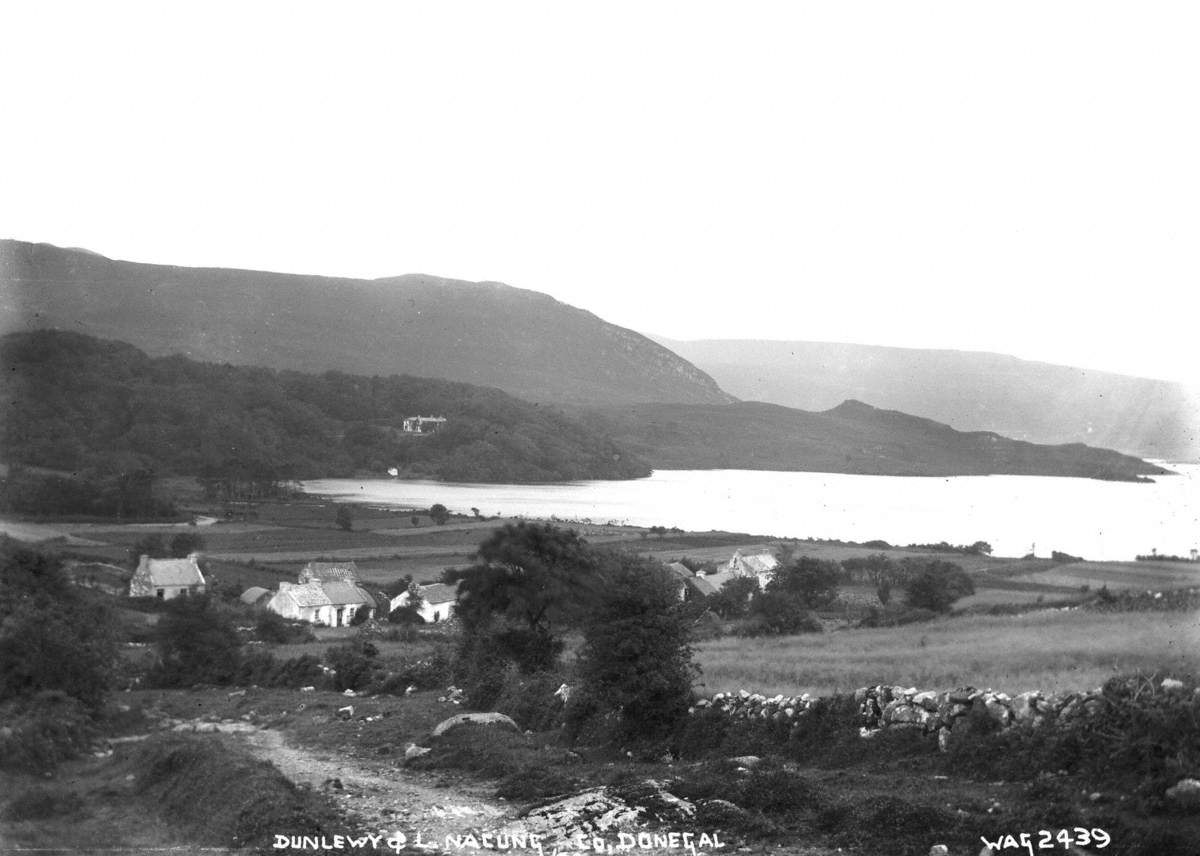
[
  {"x": 777, "y": 612},
  {"x": 635, "y": 658},
  {"x": 262, "y": 669},
  {"x": 530, "y": 699},
  {"x": 42, "y": 732},
  {"x": 425, "y": 673},
  {"x": 354, "y": 664},
  {"x": 52, "y": 636},
  {"x": 43, "y": 802},
  {"x": 197, "y": 644},
  {"x": 936, "y": 585},
  {"x": 273, "y": 627}
]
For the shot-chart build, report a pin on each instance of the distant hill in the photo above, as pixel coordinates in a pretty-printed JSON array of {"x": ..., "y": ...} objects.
[
  {"x": 525, "y": 343},
  {"x": 971, "y": 391},
  {"x": 850, "y": 438},
  {"x": 75, "y": 403}
]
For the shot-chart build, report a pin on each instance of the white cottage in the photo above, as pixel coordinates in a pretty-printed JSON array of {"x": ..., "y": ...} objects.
[
  {"x": 330, "y": 603},
  {"x": 437, "y": 602},
  {"x": 167, "y": 579}
]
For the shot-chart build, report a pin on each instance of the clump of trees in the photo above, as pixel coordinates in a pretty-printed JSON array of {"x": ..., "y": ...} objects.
[
  {"x": 636, "y": 661},
  {"x": 531, "y": 583},
  {"x": 935, "y": 585}
]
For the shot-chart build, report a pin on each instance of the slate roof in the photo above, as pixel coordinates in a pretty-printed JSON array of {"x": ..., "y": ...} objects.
[
  {"x": 341, "y": 593},
  {"x": 701, "y": 585},
  {"x": 329, "y": 571},
  {"x": 680, "y": 570},
  {"x": 253, "y": 595},
  {"x": 174, "y": 572},
  {"x": 306, "y": 594},
  {"x": 439, "y": 593}
]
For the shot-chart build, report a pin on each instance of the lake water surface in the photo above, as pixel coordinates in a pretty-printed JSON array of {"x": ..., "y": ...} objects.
[{"x": 1084, "y": 517}]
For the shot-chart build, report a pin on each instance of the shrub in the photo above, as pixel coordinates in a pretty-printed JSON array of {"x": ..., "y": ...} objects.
[
  {"x": 197, "y": 644},
  {"x": 52, "y": 636},
  {"x": 530, "y": 699},
  {"x": 635, "y": 657},
  {"x": 354, "y": 664},
  {"x": 43, "y": 731},
  {"x": 42, "y": 802},
  {"x": 273, "y": 627},
  {"x": 936, "y": 585},
  {"x": 776, "y": 612},
  {"x": 262, "y": 669}
]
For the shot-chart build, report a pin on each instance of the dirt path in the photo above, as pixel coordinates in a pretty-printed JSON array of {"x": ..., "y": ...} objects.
[{"x": 383, "y": 797}]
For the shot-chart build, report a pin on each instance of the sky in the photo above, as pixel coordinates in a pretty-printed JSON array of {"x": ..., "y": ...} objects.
[{"x": 1019, "y": 177}]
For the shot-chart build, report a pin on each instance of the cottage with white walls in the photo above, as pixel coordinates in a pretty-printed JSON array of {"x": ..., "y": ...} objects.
[
  {"x": 167, "y": 579},
  {"x": 760, "y": 566},
  {"x": 333, "y": 604},
  {"x": 437, "y": 602}
]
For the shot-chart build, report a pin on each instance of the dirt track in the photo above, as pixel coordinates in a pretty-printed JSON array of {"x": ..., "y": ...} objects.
[{"x": 383, "y": 797}]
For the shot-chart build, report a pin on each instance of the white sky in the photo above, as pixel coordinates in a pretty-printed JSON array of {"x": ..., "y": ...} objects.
[{"x": 1015, "y": 177}]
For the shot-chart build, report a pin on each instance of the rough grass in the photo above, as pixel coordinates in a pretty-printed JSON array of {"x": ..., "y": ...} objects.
[
  {"x": 224, "y": 796},
  {"x": 1049, "y": 650}
]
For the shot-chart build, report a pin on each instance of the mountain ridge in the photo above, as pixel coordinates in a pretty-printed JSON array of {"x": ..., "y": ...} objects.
[
  {"x": 969, "y": 390},
  {"x": 479, "y": 333}
]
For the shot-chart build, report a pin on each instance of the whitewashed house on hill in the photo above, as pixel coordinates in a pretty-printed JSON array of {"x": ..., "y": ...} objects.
[
  {"x": 167, "y": 579},
  {"x": 330, "y": 603},
  {"x": 437, "y": 602}
]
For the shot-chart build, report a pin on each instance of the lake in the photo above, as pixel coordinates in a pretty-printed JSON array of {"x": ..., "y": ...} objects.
[{"x": 1084, "y": 517}]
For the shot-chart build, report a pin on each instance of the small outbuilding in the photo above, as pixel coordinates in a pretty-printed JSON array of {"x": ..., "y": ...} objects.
[
  {"x": 255, "y": 596},
  {"x": 437, "y": 602},
  {"x": 329, "y": 572}
]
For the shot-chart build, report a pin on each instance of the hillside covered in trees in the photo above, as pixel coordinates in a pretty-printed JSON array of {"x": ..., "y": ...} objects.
[{"x": 81, "y": 404}]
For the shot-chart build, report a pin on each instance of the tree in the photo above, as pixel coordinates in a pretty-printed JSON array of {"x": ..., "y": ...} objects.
[
  {"x": 733, "y": 598},
  {"x": 813, "y": 583},
  {"x": 439, "y": 513},
  {"x": 936, "y": 585},
  {"x": 344, "y": 518},
  {"x": 780, "y": 612},
  {"x": 151, "y": 545},
  {"x": 635, "y": 658},
  {"x": 529, "y": 580},
  {"x": 184, "y": 544},
  {"x": 52, "y": 635},
  {"x": 197, "y": 644}
]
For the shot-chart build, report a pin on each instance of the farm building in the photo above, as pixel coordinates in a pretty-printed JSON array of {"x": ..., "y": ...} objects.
[
  {"x": 167, "y": 579},
  {"x": 255, "y": 596},
  {"x": 330, "y": 603},
  {"x": 329, "y": 572},
  {"x": 761, "y": 566},
  {"x": 437, "y": 602}
]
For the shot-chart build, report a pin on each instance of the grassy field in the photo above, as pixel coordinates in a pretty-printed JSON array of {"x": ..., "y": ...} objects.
[{"x": 1049, "y": 650}]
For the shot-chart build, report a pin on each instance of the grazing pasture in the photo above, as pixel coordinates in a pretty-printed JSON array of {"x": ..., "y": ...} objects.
[{"x": 1047, "y": 650}]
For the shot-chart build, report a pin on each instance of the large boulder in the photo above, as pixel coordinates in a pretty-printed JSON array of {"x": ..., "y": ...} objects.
[{"x": 492, "y": 719}]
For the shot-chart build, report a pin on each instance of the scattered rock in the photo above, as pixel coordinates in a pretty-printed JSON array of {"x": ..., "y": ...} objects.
[
  {"x": 747, "y": 761},
  {"x": 1185, "y": 793},
  {"x": 497, "y": 719},
  {"x": 1172, "y": 685},
  {"x": 346, "y": 712},
  {"x": 412, "y": 750},
  {"x": 939, "y": 850}
]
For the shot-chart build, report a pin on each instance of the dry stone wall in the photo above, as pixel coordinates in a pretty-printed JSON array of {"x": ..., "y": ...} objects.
[{"x": 933, "y": 713}]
